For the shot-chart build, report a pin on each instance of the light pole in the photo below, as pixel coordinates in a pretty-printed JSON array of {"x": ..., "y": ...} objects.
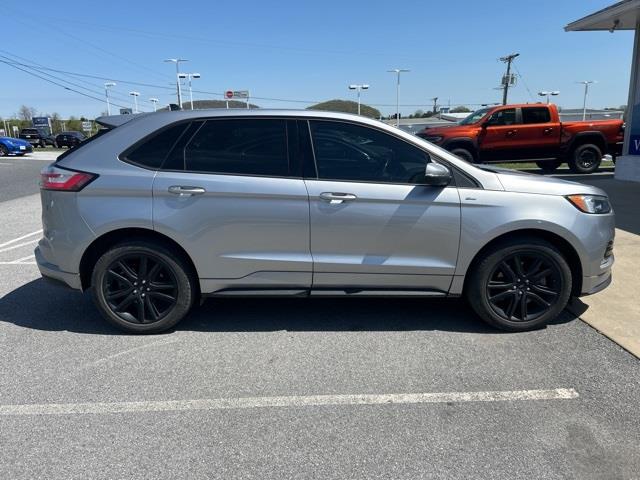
[
  {"x": 547, "y": 94},
  {"x": 586, "y": 84},
  {"x": 189, "y": 77},
  {"x": 135, "y": 100},
  {"x": 155, "y": 103},
  {"x": 398, "y": 71},
  {"x": 107, "y": 86},
  {"x": 358, "y": 88},
  {"x": 177, "y": 62}
]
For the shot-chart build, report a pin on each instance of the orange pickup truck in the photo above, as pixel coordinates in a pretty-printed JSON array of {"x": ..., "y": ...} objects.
[{"x": 529, "y": 132}]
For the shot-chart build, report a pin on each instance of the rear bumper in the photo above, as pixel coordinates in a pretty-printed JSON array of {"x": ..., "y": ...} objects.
[{"x": 51, "y": 271}]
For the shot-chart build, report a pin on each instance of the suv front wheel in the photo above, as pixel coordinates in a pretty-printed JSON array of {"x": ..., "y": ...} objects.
[
  {"x": 142, "y": 287},
  {"x": 520, "y": 285}
]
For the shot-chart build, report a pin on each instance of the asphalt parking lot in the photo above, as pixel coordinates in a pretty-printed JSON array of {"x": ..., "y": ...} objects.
[{"x": 297, "y": 388}]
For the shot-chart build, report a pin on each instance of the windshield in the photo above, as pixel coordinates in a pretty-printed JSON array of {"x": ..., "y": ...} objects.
[{"x": 475, "y": 116}]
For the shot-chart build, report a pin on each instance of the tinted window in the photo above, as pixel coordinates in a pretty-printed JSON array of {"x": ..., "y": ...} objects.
[
  {"x": 503, "y": 117},
  {"x": 152, "y": 152},
  {"x": 175, "y": 160},
  {"x": 536, "y": 115},
  {"x": 345, "y": 151},
  {"x": 242, "y": 147}
]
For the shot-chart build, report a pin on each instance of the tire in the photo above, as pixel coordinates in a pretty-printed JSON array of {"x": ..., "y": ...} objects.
[
  {"x": 170, "y": 292},
  {"x": 464, "y": 154},
  {"x": 492, "y": 291},
  {"x": 43, "y": 144},
  {"x": 4, "y": 152},
  {"x": 548, "y": 166},
  {"x": 585, "y": 158}
]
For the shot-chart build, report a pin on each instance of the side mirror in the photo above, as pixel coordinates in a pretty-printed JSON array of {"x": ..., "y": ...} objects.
[{"x": 437, "y": 175}]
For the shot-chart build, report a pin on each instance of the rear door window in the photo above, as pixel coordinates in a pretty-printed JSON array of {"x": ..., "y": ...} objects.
[
  {"x": 535, "y": 115},
  {"x": 239, "y": 147}
]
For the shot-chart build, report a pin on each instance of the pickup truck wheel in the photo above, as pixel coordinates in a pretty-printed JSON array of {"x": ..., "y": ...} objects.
[
  {"x": 585, "y": 159},
  {"x": 464, "y": 154},
  {"x": 548, "y": 166},
  {"x": 520, "y": 285}
]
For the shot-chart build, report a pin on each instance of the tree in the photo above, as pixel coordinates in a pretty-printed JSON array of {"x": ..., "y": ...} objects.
[
  {"x": 27, "y": 113},
  {"x": 460, "y": 109},
  {"x": 418, "y": 113}
]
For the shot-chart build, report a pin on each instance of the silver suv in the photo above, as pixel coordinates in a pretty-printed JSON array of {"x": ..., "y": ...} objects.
[{"x": 161, "y": 209}]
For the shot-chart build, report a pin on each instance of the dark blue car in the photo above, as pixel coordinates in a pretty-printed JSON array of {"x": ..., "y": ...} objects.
[{"x": 14, "y": 146}]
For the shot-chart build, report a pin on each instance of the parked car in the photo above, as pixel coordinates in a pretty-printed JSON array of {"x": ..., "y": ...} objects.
[
  {"x": 14, "y": 146},
  {"x": 69, "y": 139},
  {"x": 163, "y": 209},
  {"x": 530, "y": 132},
  {"x": 37, "y": 137}
]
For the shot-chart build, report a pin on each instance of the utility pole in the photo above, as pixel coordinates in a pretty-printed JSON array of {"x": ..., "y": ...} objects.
[
  {"x": 507, "y": 77},
  {"x": 435, "y": 104}
]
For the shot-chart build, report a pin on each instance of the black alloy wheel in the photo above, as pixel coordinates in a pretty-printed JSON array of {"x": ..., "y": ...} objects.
[
  {"x": 143, "y": 287},
  {"x": 524, "y": 286}
]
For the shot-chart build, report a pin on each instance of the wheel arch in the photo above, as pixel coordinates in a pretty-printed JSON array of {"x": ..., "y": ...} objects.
[
  {"x": 595, "y": 137},
  {"x": 567, "y": 250},
  {"x": 461, "y": 142},
  {"x": 107, "y": 240}
]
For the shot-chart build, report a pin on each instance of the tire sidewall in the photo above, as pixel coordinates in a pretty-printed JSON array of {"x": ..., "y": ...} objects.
[
  {"x": 185, "y": 284},
  {"x": 477, "y": 291},
  {"x": 464, "y": 154},
  {"x": 575, "y": 165},
  {"x": 548, "y": 166}
]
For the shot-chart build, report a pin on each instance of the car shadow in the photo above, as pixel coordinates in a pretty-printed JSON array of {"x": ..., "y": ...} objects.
[{"x": 41, "y": 305}]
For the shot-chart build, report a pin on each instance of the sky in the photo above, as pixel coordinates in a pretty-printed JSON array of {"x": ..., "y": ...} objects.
[{"x": 304, "y": 52}]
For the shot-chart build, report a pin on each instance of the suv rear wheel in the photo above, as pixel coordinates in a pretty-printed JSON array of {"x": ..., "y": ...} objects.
[
  {"x": 142, "y": 287},
  {"x": 585, "y": 158},
  {"x": 520, "y": 285}
]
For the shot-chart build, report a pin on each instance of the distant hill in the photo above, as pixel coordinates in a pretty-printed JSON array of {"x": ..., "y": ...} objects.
[
  {"x": 346, "y": 106},
  {"x": 202, "y": 104}
]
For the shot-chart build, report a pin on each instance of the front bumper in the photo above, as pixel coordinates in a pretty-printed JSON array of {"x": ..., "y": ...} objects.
[{"x": 51, "y": 271}]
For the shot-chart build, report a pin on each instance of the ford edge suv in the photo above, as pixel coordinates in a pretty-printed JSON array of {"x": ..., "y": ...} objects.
[{"x": 161, "y": 209}]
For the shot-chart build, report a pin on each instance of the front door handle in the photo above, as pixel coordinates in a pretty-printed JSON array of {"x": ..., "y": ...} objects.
[
  {"x": 337, "y": 197},
  {"x": 547, "y": 131},
  {"x": 511, "y": 133},
  {"x": 186, "y": 191}
]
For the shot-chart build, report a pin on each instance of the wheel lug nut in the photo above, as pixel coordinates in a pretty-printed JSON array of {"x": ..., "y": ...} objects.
[
  {"x": 142, "y": 295},
  {"x": 144, "y": 281},
  {"x": 135, "y": 291}
]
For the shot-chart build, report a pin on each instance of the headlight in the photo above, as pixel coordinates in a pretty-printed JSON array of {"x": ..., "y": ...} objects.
[
  {"x": 433, "y": 139},
  {"x": 590, "y": 203}
]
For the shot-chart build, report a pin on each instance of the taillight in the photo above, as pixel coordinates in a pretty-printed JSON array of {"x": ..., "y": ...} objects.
[{"x": 55, "y": 178}]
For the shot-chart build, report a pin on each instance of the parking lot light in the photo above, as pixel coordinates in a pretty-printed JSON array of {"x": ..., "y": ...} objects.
[
  {"x": 358, "y": 88},
  {"x": 398, "y": 71},
  {"x": 107, "y": 86},
  {"x": 189, "y": 77},
  {"x": 178, "y": 90},
  {"x": 135, "y": 96},
  {"x": 547, "y": 94},
  {"x": 586, "y": 84},
  {"x": 155, "y": 103}
]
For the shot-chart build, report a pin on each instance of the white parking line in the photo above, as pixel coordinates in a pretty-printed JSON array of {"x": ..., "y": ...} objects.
[
  {"x": 20, "y": 238},
  {"x": 13, "y": 247},
  {"x": 289, "y": 401}
]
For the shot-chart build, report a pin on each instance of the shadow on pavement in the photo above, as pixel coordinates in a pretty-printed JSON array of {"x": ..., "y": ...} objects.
[{"x": 40, "y": 305}]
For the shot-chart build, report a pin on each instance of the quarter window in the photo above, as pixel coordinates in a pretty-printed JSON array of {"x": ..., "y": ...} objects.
[
  {"x": 536, "y": 115},
  {"x": 344, "y": 151},
  {"x": 241, "y": 147},
  {"x": 152, "y": 152}
]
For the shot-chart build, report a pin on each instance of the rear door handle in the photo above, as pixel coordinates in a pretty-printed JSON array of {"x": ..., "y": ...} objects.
[
  {"x": 186, "y": 191},
  {"x": 547, "y": 130},
  {"x": 337, "y": 197}
]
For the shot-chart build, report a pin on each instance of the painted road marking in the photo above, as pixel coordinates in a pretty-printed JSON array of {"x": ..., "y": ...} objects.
[
  {"x": 20, "y": 238},
  {"x": 288, "y": 401},
  {"x": 13, "y": 247}
]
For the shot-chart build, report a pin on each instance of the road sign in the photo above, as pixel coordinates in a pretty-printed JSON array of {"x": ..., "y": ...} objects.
[
  {"x": 236, "y": 94},
  {"x": 87, "y": 126}
]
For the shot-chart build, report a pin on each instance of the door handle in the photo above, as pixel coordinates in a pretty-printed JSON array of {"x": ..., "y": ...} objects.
[
  {"x": 511, "y": 133},
  {"x": 337, "y": 197},
  {"x": 186, "y": 191},
  {"x": 546, "y": 131}
]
